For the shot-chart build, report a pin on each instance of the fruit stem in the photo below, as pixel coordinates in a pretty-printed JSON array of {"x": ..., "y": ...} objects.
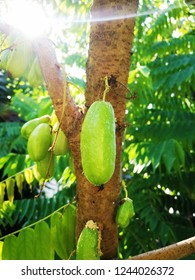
[
  {"x": 107, "y": 87},
  {"x": 125, "y": 189},
  {"x": 55, "y": 139}
]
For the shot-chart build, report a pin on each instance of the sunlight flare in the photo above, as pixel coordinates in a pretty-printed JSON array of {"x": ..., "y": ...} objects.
[{"x": 27, "y": 16}]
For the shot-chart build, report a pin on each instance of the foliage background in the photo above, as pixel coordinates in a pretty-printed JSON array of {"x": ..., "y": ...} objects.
[{"x": 158, "y": 157}]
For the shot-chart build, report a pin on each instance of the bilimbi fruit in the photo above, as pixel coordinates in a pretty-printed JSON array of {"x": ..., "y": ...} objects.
[
  {"x": 61, "y": 142},
  {"x": 125, "y": 212},
  {"x": 39, "y": 142},
  {"x": 98, "y": 143},
  {"x": 88, "y": 243}
]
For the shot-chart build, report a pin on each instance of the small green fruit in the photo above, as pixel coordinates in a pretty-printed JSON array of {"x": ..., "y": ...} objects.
[
  {"x": 88, "y": 243},
  {"x": 124, "y": 213},
  {"x": 39, "y": 142},
  {"x": 45, "y": 167},
  {"x": 61, "y": 144},
  {"x": 29, "y": 126}
]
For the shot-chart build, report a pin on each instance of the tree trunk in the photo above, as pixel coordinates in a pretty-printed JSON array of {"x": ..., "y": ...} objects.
[{"x": 109, "y": 55}]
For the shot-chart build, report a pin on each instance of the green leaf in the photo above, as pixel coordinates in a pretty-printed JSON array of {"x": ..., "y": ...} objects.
[
  {"x": 43, "y": 248},
  {"x": 169, "y": 154},
  {"x": 180, "y": 153},
  {"x": 10, "y": 248},
  {"x": 25, "y": 245},
  {"x": 69, "y": 228},
  {"x": 156, "y": 151},
  {"x": 57, "y": 237}
]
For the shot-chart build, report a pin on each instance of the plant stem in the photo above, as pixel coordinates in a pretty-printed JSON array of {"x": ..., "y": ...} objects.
[{"x": 172, "y": 252}]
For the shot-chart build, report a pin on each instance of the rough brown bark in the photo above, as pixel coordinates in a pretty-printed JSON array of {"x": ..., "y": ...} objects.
[
  {"x": 109, "y": 55},
  {"x": 173, "y": 252},
  {"x": 55, "y": 79}
]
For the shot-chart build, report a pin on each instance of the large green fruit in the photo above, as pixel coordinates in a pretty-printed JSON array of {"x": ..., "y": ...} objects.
[
  {"x": 39, "y": 142},
  {"x": 20, "y": 58},
  {"x": 98, "y": 143},
  {"x": 61, "y": 144},
  {"x": 46, "y": 166},
  {"x": 88, "y": 243},
  {"x": 124, "y": 213},
  {"x": 29, "y": 126}
]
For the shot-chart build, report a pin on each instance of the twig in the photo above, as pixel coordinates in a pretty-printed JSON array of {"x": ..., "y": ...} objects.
[{"x": 172, "y": 252}]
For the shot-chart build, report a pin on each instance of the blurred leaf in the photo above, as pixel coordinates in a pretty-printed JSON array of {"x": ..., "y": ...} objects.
[
  {"x": 10, "y": 248},
  {"x": 43, "y": 249},
  {"x": 25, "y": 249}
]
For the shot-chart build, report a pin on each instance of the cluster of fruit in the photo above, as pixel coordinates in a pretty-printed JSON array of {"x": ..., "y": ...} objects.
[
  {"x": 45, "y": 141},
  {"x": 98, "y": 153},
  {"x": 18, "y": 58}
]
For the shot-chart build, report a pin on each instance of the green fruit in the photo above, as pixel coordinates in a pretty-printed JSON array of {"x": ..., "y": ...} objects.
[
  {"x": 20, "y": 57},
  {"x": 124, "y": 213},
  {"x": 44, "y": 164},
  {"x": 29, "y": 126},
  {"x": 39, "y": 142},
  {"x": 98, "y": 143},
  {"x": 35, "y": 77},
  {"x": 54, "y": 118},
  {"x": 61, "y": 143},
  {"x": 88, "y": 243}
]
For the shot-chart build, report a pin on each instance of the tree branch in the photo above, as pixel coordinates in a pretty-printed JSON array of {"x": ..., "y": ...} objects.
[
  {"x": 109, "y": 56},
  {"x": 172, "y": 252},
  {"x": 55, "y": 79}
]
